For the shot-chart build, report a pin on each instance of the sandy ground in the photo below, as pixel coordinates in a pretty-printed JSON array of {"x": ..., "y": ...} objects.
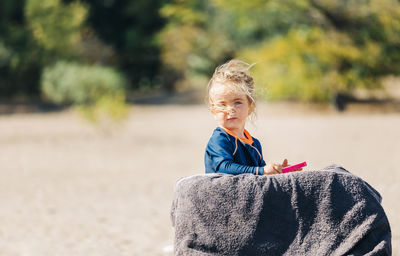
[{"x": 67, "y": 188}]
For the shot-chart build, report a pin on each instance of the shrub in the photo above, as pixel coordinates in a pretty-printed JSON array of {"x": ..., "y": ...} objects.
[
  {"x": 97, "y": 90},
  {"x": 311, "y": 65}
]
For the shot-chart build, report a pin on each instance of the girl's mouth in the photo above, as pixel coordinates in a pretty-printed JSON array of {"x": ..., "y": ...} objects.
[{"x": 231, "y": 118}]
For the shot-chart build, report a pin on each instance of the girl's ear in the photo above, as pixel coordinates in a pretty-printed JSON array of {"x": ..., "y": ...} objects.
[{"x": 251, "y": 108}]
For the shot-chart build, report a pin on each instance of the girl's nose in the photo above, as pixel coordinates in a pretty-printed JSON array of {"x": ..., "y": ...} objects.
[{"x": 230, "y": 109}]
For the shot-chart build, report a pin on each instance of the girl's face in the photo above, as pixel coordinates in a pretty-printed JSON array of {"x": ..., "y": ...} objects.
[{"x": 230, "y": 109}]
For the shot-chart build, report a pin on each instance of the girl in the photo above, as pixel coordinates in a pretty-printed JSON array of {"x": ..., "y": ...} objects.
[{"x": 231, "y": 149}]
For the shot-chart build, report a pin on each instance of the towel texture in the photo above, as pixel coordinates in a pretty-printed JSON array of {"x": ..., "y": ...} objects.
[{"x": 324, "y": 212}]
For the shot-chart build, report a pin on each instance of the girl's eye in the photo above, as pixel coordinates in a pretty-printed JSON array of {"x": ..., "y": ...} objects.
[
  {"x": 222, "y": 105},
  {"x": 238, "y": 102}
]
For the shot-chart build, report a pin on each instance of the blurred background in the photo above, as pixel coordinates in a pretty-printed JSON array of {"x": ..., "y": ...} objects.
[{"x": 102, "y": 108}]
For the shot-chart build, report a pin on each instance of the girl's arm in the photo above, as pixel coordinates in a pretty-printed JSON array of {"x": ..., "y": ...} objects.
[
  {"x": 219, "y": 158},
  {"x": 230, "y": 167}
]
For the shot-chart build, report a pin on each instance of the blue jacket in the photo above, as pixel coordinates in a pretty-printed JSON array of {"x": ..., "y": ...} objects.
[{"x": 226, "y": 153}]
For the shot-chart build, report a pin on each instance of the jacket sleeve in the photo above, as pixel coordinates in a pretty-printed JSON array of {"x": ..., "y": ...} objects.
[
  {"x": 257, "y": 144},
  {"x": 219, "y": 157}
]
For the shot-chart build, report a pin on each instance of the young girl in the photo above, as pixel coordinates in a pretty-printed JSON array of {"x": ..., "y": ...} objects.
[{"x": 231, "y": 149}]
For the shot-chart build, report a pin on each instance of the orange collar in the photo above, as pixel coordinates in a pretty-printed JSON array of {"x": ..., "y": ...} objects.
[{"x": 248, "y": 139}]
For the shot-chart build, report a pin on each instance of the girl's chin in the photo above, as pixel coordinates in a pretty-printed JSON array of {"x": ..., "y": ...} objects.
[{"x": 231, "y": 127}]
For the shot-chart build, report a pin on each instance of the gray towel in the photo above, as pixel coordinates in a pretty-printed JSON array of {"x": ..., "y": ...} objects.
[{"x": 324, "y": 212}]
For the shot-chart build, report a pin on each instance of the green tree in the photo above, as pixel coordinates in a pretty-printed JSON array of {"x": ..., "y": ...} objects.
[
  {"x": 130, "y": 27},
  {"x": 35, "y": 34},
  {"x": 304, "y": 49},
  {"x": 193, "y": 40},
  {"x": 19, "y": 69},
  {"x": 55, "y": 26}
]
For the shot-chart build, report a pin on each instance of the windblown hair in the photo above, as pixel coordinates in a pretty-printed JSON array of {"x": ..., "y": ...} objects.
[{"x": 235, "y": 75}]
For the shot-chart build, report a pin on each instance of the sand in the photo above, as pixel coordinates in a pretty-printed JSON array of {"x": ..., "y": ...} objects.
[{"x": 68, "y": 188}]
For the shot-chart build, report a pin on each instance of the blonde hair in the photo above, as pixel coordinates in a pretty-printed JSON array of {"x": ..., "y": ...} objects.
[{"x": 235, "y": 75}]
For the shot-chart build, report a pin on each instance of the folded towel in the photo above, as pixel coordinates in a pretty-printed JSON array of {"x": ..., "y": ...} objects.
[{"x": 324, "y": 212}]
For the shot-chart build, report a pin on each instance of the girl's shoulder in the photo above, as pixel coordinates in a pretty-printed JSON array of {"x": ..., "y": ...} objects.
[
  {"x": 220, "y": 134},
  {"x": 220, "y": 137}
]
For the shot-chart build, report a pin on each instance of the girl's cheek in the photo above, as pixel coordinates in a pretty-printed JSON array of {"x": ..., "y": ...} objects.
[{"x": 220, "y": 115}]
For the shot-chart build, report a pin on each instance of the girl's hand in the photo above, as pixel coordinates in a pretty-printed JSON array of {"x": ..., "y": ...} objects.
[
  {"x": 295, "y": 170},
  {"x": 275, "y": 168}
]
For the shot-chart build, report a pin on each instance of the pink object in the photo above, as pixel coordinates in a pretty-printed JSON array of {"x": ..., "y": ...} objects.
[{"x": 294, "y": 167}]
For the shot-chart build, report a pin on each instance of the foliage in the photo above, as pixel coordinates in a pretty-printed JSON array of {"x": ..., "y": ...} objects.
[
  {"x": 304, "y": 49},
  {"x": 35, "y": 34},
  {"x": 191, "y": 50},
  {"x": 313, "y": 70},
  {"x": 130, "y": 27},
  {"x": 5, "y": 55},
  {"x": 56, "y": 26},
  {"x": 190, "y": 43},
  {"x": 106, "y": 110},
  {"x": 20, "y": 60},
  {"x": 99, "y": 91}
]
